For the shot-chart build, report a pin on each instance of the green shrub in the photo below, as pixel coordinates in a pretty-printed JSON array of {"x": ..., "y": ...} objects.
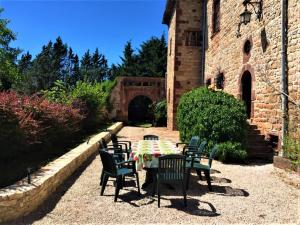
[
  {"x": 213, "y": 115},
  {"x": 292, "y": 148},
  {"x": 92, "y": 98},
  {"x": 160, "y": 113},
  {"x": 231, "y": 152}
]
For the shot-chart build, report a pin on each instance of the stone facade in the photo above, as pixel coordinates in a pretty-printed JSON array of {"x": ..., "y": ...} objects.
[
  {"x": 22, "y": 198},
  {"x": 127, "y": 88},
  {"x": 228, "y": 55},
  {"x": 184, "y": 51}
]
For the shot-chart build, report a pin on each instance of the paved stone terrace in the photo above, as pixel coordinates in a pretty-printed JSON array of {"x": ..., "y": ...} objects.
[{"x": 241, "y": 194}]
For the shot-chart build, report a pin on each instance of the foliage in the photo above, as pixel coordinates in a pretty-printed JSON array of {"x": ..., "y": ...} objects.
[
  {"x": 213, "y": 115},
  {"x": 292, "y": 147},
  {"x": 150, "y": 61},
  {"x": 8, "y": 55},
  {"x": 231, "y": 152},
  {"x": 93, "y": 98},
  {"x": 28, "y": 120},
  {"x": 152, "y": 58},
  {"x": 160, "y": 113}
]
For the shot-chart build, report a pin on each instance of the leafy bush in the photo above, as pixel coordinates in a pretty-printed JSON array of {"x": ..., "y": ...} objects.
[
  {"x": 160, "y": 113},
  {"x": 27, "y": 121},
  {"x": 92, "y": 98},
  {"x": 292, "y": 148},
  {"x": 213, "y": 115},
  {"x": 231, "y": 152}
]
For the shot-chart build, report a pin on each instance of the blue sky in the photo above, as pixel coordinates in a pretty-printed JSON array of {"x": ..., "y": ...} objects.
[{"x": 85, "y": 24}]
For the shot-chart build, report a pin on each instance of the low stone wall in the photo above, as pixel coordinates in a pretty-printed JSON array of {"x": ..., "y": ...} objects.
[
  {"x": 22, "y": 198},
  {"x": 285, "y": 164}
]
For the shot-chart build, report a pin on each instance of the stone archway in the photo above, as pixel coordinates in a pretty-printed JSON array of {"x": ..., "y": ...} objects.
[
  {"x": 139, "y": 109},
  {"x": 246, "y": 92},
  {"x": 128, "y": 88}
]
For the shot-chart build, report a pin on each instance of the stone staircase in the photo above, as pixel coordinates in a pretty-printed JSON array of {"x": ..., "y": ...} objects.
[{"x": 257, "y": 146}]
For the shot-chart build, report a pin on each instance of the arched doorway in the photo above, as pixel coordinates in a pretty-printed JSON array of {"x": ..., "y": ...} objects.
[
  {"x": 246, "y": 83},
  {"x": 139, "y": 109}
]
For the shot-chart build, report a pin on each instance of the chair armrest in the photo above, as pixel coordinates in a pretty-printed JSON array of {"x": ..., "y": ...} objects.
[
  {"x": 122, "y": 141},
  {"x": 181, "y": 143},
  {"x": 123, "y": 145},
  {"x": 123, "y": 162}
]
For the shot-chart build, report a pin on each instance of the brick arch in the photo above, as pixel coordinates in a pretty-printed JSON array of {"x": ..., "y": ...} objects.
[
  {"x": 250, "y": 69},
  {"x": 128, "y": 88}
]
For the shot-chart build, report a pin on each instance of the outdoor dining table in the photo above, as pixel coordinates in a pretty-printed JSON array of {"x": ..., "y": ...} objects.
[{"x": 146, "y": 153}]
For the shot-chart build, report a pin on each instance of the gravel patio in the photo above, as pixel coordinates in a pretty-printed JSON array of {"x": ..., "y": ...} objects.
[{"x": 252, "y": 194}]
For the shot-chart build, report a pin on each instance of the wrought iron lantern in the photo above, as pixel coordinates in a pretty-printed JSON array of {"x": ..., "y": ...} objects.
[{"x": 245, "y": 17}]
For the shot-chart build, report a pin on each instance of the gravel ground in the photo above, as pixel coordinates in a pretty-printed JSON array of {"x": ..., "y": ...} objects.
[{"x": 252, "y": 194}]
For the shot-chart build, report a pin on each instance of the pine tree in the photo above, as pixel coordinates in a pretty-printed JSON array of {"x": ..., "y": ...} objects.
[
  {"x": 86, "y": 65},
  {"x": 129, "y": 61},
  {"x": 59, "y": 61},
  {"x": 25, "y": 63},
  {"x": 152, "y": 60}
]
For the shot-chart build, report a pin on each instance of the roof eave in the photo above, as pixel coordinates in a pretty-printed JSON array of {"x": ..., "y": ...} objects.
[{"x": 170, "y": 6}]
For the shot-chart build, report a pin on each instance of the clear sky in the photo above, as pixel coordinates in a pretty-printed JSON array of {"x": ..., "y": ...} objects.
[{"x": 85, "y": 24}]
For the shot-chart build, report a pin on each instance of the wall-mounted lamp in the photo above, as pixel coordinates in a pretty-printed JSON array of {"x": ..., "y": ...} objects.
[{"x": 245, "y": 17}]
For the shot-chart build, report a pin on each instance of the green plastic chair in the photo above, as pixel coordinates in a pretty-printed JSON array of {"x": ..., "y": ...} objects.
[
  {"x": 198, "y": 166},
  {"x": 116, "y": 170},
  {"x": 150, "y": 137},
  {"x": 192, "y": 145},
  {"x": 126, "y": 145},
  {"x": 171, "y": 169}
]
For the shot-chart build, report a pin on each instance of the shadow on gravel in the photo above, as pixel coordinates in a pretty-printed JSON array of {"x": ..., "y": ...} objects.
[
  {"x": 54, "y": 198},
  {"x": 194, "y": 207}
]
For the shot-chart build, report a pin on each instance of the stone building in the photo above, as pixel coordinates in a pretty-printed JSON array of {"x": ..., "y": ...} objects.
[{"x": 243, "y": 59}]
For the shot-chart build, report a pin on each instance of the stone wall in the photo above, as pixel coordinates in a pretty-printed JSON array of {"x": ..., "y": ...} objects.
[
  {"x": 294, "y": 63},
  {"x": 184, "y": 60},
  {"x": 22, "y": 198},
  {"x": 225, "y": 54},
  {"x": 127, "y": 88}
]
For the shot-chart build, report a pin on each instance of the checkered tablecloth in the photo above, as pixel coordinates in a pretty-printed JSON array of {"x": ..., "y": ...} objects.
[{"x": 146, "y": 152}]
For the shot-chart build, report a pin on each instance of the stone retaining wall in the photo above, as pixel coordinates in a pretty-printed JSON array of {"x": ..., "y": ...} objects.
[{"x": 22, "y": 198}]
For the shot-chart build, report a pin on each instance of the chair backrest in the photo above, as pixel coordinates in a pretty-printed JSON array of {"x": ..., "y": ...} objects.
[
  {"x": 171, "y": 167},
  {"x": 114, "y": 140},
  {"x": 102, "y": 143},
  {"x": 212, "y": 154},
  {"x": 194, "y": 141},
  {"x": 202, "y": 146},
  {"x": 108, "y": 162},
  {"x": 151, "y": 137}
]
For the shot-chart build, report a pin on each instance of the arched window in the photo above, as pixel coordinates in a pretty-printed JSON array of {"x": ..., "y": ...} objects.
[
  {"x": 216, "y": 16},
  {"x": 220, "y": 81}
]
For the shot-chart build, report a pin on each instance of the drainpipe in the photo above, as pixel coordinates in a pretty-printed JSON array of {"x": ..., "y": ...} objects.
[
  {"x": 284, "y": 87},
  {"x": 204, "y": 5}
]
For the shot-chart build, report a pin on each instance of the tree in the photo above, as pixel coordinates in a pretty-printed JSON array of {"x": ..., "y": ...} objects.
[
  {"x": 129, "y": 62},
  {"x": 152, "y": 57},
  {"x": 8, "y": 56},
  {"x": 60, "y": 51},
  {"x": 86, "y": 65},
  {"x": 25, "y": 63}
]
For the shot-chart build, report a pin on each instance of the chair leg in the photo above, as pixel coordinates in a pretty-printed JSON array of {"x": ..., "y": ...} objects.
[
  {"x": 118, "y": 186},
  {"x": 188, "y": 178},
  {"x": 158, "y": 194},
  {"x": 207, "y": 176},
  {"x": 138, "y": 182},
  {"x": 154, "y": 184},
  {"x": 184, "y": 194},
  {"x": 199, "y": 174},
  {"x": 101, "y": 178},
  {"x": 105, "y": 179}
]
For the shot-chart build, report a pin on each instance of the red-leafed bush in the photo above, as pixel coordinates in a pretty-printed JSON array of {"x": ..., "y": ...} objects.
[{"x": 25, "y": 121}]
